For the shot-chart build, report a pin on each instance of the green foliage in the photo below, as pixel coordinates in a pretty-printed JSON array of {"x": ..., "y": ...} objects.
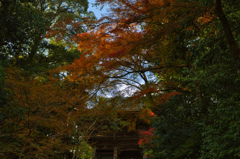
[
  {"x": 176, "y": 127},
  {"x": 24, "y": 28},
  {"x": 203, "y": 122},
  {"x": 187, "y": 51}
]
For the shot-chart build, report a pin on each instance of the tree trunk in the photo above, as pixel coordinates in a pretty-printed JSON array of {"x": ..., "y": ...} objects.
[
  {"x": 94, "y": 153},
  {"x": 227, "y": 29}
]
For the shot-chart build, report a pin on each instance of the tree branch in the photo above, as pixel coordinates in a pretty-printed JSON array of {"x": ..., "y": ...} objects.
[
  {"x": 142, "y": 71},
  {"x": 227, "y": 29}
]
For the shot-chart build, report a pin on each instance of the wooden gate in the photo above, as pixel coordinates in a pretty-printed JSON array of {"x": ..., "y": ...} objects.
[{"x": 110, "y": 144}]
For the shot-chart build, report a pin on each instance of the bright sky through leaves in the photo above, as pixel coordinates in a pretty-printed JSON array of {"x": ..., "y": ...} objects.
[{"x": 97, "y": 10}]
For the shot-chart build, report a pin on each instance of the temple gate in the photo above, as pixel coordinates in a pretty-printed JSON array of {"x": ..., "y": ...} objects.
[{"x": 121, "y": 144}]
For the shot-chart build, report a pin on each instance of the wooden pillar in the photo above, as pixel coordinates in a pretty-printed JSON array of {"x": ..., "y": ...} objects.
[
  {"x": 144, "y": 156},
  {"x": 94, "y": 153},
  {"x": 115, "y": 153}
]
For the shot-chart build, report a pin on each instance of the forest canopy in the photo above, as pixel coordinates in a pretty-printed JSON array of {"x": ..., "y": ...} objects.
[{"x": 63, "y": 72}]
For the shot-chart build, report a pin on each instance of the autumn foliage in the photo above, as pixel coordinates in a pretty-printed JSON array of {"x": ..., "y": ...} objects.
[
  {"x": 146, "y": 137},
  {"x": 45, "y": 115},
  {"x": 130, "y": 47},
  {"x": 166, "y": 59}
]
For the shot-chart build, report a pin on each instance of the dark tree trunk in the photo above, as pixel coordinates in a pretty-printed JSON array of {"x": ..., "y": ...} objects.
[{"x": 227, "y": 29}]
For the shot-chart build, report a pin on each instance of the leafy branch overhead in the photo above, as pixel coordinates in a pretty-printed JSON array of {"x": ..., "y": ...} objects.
[{"x": 64, "y": 75}]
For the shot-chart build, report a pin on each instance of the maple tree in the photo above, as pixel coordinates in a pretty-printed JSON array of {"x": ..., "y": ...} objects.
[
  {"x": 145, "y": 141},
  {"x": 172, "y": 46},
  {"x": 41, "y": 118},
  {"x": 33, "y": 119},
  {"x": 170, "y": 58},
  {"x": 116, "y": 52}
]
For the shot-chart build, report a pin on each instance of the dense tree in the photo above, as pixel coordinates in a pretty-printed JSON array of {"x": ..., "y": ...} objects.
[
  {"x": 179, "y": 58},
  {"x": 200, "y": 123},
  {"x": 32, "y": 118},
  {"x": 25, "y": 24},
  {"x": 181, "y": 49},
  {"x": 41, "y": 119}
]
